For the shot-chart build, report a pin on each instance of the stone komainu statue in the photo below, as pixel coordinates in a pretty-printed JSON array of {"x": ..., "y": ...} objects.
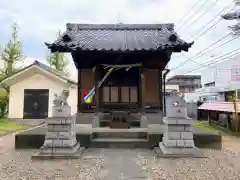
[{"x": 61, "y": 100}]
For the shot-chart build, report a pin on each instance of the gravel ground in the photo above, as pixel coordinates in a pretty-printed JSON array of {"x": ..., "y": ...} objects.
[
  {"x": 219, "y": 165},
  {"x": 17, "y": 165}
]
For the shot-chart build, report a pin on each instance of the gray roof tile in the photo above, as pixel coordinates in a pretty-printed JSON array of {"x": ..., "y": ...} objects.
[
  {"x": 54, "y": 71},
  {"x": 46, "y": 68},
  {"x": 119, "y": 37}
]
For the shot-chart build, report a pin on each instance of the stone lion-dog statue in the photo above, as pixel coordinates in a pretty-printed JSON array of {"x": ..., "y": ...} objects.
[{"x": 61, "y": 100}]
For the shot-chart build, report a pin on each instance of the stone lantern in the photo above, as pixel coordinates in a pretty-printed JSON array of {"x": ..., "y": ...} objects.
[{"x": 178, "y": 136}]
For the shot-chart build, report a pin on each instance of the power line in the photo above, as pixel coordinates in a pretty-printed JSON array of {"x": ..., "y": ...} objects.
[
  {"x": 215, "y": 62},
  {"x": 190, "y": 10},
  {"x": 209, "y": 8},
  {"x": 215, "y": 17},
  {"x": 217, "y": 47},
  {"x": 189, "y": 59},
  {"x": 193, "y": 60},
  {"x": 207, "y": 30},
  {"x": 192, "y": 16},
  {"x": 238, "y": 53}
]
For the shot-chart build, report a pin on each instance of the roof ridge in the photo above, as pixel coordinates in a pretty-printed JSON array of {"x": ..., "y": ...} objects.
[
  {"x": 52, "y": 70},
  {"x": 71, "y": 26},
  {"x": 134, "y": 37},
  {"x": 49, "y": 67},
  {"x": 45, "y": 68}
]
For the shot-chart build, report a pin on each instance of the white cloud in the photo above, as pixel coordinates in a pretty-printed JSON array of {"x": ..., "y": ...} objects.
[{"x": 40, "y": 20}]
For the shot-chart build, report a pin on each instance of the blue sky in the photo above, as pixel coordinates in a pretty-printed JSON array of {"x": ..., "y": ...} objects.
[{"x": 39, "y": 22}]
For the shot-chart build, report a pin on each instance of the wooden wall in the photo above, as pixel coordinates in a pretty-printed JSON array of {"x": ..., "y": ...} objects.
[
  {"x": 152, "y": 87},
  {"x": 86, "y": 82}
]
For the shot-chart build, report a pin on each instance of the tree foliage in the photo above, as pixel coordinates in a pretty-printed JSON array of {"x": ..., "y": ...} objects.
[
  {"x": 235, "y": 15},
  {"x": 58, "y": 60},
  {"x": 235, "y": 116},
  {"x": 11, "y": 54}
]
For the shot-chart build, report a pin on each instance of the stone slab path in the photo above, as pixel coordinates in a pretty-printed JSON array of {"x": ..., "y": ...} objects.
[{"x": 119, "y": 164}]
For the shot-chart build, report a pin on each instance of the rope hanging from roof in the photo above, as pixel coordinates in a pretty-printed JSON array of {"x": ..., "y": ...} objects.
[{"x": 88, "y": 96}]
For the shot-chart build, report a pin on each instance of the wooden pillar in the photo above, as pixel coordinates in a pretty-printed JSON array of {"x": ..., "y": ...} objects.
[
  {"x": 160, "y": 89},
  {"x": 139, "y": 89},
  {"x": 164, "y": 90},
  {"x": 79, "y": 105},
  {"x": 96, "y": 88},
  {"x": 142, "y": 85}
]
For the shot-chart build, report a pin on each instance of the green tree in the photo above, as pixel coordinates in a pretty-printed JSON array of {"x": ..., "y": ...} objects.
[
  {"x": 235, "y": 116},
  {"x": 58, "y": 60},
  {"x": 234, "y": 15},
  {"x": 11, "y": 54}
]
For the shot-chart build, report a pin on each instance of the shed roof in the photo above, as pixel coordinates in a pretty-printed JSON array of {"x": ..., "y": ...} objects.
[
  {"x": 42, "y": 66},
  {"x": 119, "y": 37},
  {"x": 219, "y": 106}
]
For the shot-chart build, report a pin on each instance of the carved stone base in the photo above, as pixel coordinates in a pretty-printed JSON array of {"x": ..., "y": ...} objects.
[
  {"x": 167, "y": 152},
  {"x": 45, "y": 153},
  {"x": 95, "y": 122},
  {"x": 144, "y": 121},
  {"x": 61, "y": 111}
]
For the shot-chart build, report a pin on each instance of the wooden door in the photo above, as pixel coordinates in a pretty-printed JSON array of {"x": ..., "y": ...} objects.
[
  {"x": 119, "y": 94},
  {"x": 152, "y": 87},
  {"x": 120, "y": 90},
  {"x": 35, "y": 103}
]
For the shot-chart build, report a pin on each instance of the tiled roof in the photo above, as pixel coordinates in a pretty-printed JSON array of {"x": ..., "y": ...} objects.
[
  {"x": 54, "y": 71},
  {"x": 119, "y": 37},
  {"x": 219, "y": 106},
  {"x": 46, "y": 68}
]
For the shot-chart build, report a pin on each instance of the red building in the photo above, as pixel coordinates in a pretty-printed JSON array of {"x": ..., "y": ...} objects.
[{"x": 187, "y": 83}]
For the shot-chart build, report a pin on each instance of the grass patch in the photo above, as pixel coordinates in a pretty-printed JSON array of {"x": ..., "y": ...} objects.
[
  {"x": 9, "y": 126},
  {"x": 205, "y": 125},
  {"x": 226, "y": 131},
  {"x": 2, "y": 133}
]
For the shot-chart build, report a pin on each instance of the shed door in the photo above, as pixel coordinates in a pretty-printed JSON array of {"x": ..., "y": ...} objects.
[{"x": 35, "y": 103}]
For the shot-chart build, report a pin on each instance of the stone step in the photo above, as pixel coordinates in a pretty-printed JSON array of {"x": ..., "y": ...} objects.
[
  {"x": 119, "y": 143},
  {"x": 120, "y": 134},
  {"x": 133, "y": 123},
  {"x": 121, "y": 115}
]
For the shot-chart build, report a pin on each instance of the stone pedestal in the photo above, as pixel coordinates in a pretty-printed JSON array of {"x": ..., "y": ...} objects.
[
  {"x": 60, "y": 140},
  {"x": 61, "y": 111},
  {"x": 144, "y": 121},
  {"x": 178, "y": 136},
  {"x": 95, "y": 121}
]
